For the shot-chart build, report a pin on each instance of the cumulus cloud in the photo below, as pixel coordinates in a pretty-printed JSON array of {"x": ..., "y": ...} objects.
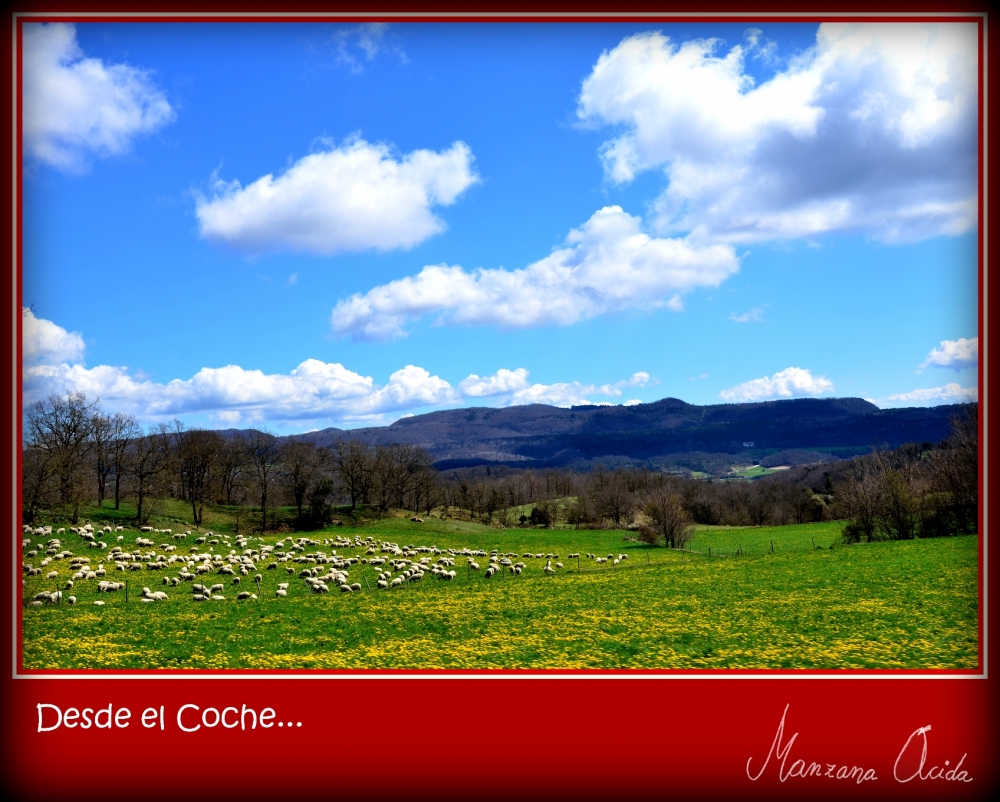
[
  {"x": 874, "y": 130},
  {"x": 355, "y": 197},
  {"x": 501, "y": 382},
  {"x": 75, "y": 106},
  {"x": 954, "y": 354},
  {"x": 608, "y": 265},
  {"x": 43, "y": 342},
  {"x": 509, "y": 390},
  {"x": 315, "y": 390},
  {"x": 787, "y": 383},
  {"x": 951, "y": 393}
]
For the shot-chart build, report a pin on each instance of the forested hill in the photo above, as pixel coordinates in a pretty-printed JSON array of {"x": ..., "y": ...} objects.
[{"x": 542, "y": 435}]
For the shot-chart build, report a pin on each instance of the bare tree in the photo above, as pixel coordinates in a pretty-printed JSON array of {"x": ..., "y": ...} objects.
[
  {"x": 299, "y": 467},
  {"x": 198, "y": 453},
  {"x": 613, "y": 500},
  {"x": 124, "y": 430},
  {"x": 36, "y": 485},
  {"x": 956, "y": 476},
  {"x": 230, "y": 469},
  {"x": 859, "y": 494},
  {"x": 148, "y": 459},
  {"x": 61, "y": 427},
  {"x": 354, "y": 464},
  {"x": 665, "y": 510},
  {"x": 103, "y": 461},
  {"x": 263, "y": 460}
]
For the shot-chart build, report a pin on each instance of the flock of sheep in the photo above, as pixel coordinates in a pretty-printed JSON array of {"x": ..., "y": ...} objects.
[{"x": 316, "y": 563}]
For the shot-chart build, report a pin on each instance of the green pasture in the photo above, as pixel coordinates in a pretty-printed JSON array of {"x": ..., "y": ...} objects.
[
  {"x": 881, "y": 605},
  {"x": 752, "y": 472}
]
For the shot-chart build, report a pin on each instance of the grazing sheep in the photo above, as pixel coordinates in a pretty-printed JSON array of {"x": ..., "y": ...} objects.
[
  {"x": 397, "y": 582},
  {"x": 245, "y": 594},
  {"x": 281, "y": 593},
  {"x": 52, "y": 575}
]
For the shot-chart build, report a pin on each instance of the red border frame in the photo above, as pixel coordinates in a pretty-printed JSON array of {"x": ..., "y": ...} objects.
[{"x": 692, "y": 738}]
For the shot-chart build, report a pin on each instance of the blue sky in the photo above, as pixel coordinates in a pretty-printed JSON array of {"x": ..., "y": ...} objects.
[{"x": 303, "y": 226}]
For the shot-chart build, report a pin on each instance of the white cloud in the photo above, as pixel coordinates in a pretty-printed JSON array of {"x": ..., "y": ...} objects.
[
  {"x": 75, "y": 106},
  {"x": 952, "y": 393},
  {"x": 632, "y": 402},
  {"x": 569, "y": 394},
  {"x": 501, "y": 382},
  {"x": 355, "y": 197},
  {"x": 787, "y": 383},
  {"x": 698, "y": 378},
  {"x": 955, "y": 354},
  {"x": 753, "y": 316},
  {"x": 609, "y": 265},
  {"x": 314, "y": 390},
  {"x": 370, "y": 38},
  {"x": 43, "y": 342},
  {"x": 873, "y": 131}
]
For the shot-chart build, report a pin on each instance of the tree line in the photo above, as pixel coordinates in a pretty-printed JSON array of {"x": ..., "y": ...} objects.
[
  {"x": 923, "y": 490},
  {"x": 73, "y": 454}
]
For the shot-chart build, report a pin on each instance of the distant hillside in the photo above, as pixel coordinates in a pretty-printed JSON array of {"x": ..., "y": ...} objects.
[{"x": 543, "y": 436}]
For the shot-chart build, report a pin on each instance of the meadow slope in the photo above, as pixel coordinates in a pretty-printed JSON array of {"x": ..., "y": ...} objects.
[{"x": 883, "y": 605}]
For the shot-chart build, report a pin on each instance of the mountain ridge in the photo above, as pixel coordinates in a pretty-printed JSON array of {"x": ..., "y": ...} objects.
[{"x": 547, "y": 436}]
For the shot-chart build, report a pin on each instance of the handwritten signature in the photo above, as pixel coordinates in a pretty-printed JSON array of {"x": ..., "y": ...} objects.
[{"x": 801, "y": 768}]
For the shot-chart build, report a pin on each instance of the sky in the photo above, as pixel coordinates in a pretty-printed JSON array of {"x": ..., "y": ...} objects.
[{"x": 297, "y": 226}]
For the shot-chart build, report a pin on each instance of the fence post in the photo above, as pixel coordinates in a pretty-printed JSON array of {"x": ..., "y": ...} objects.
[
  {"x": 772, "y": 547},
  {"x": 126, "y": 591}
]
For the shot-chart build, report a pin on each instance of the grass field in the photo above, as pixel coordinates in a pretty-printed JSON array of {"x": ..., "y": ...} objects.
[
  {"x": 752, "y": 472},
  {"x": 883, "y": 605}
]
